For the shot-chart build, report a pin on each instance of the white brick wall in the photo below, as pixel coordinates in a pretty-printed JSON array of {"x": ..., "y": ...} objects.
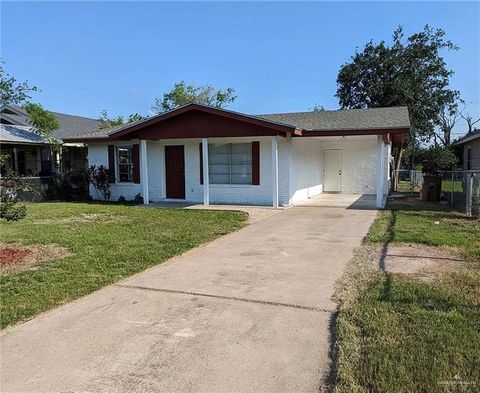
[
  {"x": 247, "y": 194},
  {"x": 305, "y": 169},
  {"x": 98, "y": 155},
  {"x": 301, "y": 169},
  {"x": 358, "y": 162}
]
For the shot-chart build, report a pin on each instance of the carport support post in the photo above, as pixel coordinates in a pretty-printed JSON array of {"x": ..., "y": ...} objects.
[
  {"x": 206, "y": 180},
  {"x": 275, "y": 171},
  {"x": 144, "y": 170},
  {"x": 379, "y": 171}
]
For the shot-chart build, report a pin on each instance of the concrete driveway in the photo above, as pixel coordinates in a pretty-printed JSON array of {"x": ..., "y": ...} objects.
[{"x": 248, "y": 312}]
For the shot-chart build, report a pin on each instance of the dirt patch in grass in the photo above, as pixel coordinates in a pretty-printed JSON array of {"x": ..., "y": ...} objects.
[
  {"x": 424, "y": 262},
  {"x": 421, "y": 260},
  {"x": 84, "y": 218},
  {"x": 12, "y": 255},
  {"x": 15, "y": 258}
]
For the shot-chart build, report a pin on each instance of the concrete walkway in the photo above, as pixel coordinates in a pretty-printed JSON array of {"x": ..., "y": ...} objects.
[{"x": 248, "y": 312}]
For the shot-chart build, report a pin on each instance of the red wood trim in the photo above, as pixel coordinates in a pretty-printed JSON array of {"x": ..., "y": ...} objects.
[
  {"x": 256, "y": 163},
  {"x": 111, "y": 157},
  {"x": 111, "y": 163},
  {"x": 136, "y": 163},
  {"x": 206, "y": 109},
  {"x": 201, "y": 163}
]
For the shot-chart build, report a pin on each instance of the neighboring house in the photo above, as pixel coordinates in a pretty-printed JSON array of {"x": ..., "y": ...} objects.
[
  {"x": 31, "y": 155},
  {"x": 470, "y": 144},
  {"x": 28, "y": 153},
  {"x": 201, "y": 154}
]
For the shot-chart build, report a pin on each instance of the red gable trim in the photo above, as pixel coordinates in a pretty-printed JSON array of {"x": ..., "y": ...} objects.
[{"x": 275, "y": 128}]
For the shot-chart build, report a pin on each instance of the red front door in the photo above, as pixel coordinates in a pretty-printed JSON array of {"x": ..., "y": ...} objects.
[{"x": 175, "y": 172}]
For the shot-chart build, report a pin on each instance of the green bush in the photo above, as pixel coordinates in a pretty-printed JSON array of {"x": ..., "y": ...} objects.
[{"x": 11, "y": 211}]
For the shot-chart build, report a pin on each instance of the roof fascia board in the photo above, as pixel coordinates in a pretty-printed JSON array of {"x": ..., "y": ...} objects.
[
  {"x": 466, "y": 139},
  {"x": 378, "y": 131}
]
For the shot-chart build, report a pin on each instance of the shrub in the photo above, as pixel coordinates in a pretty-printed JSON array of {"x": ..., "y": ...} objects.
[
  {"x": 121, "y": 199},
  {"x": 10, "y": 186},
  {"x": 437, "y": 158},
  {"x": 99, "y": 177},
  {"x": 138, "y": 199},
  {"x": 11, "y": 211}
]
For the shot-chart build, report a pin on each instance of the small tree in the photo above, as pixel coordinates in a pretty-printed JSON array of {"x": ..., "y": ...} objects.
[
  {"x": 437, "y": 158},
  {"x": 182, "y": 94},
  {"x": 99, "y": 177},
  {"x": 10, "y": 185},
  {"x": 45, "y": 122}
]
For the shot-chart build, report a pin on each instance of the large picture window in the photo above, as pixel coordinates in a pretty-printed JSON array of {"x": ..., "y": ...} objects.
[
  {"x": 230, "y": 163},
  {"x": 125, "y": 164}
]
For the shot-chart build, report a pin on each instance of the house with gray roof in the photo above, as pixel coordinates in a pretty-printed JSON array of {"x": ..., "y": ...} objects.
[
  {"x": 30, "y": 154},
  {"x": 201, "y": 154},
  {"x": 470, "y": 145}
]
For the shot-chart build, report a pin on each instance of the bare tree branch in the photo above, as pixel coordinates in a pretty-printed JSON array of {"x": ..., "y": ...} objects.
[{"x": 470, "y": 121}]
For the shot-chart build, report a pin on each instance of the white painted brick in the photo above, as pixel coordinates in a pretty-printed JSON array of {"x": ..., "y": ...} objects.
[{"x": 301, "y": 169}]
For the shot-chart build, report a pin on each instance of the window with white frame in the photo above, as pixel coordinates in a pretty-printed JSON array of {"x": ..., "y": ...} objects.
[
  {"x": 230, "y": 163},
  {"x": 125, "y": 164}
]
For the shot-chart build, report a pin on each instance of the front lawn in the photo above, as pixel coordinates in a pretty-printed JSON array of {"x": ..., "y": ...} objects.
[
  {"x": 105, "y": 243},
  {"x": 399, "y": 333}
]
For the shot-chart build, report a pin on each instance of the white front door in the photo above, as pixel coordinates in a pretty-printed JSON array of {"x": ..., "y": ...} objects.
[{"x": 333, "y": 170}]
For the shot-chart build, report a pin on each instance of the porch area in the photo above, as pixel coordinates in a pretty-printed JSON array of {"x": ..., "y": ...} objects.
[{"x": 346, "y": 201}]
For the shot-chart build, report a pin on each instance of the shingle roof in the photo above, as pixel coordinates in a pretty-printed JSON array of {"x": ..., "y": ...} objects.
[
  {"x": 475, "y": 134},
  {"x": 94, "y": 134},
  {"x": 20, "y": 134},
  {"x": 345, "y": 119},
  {"x": 70, "y": 125}
]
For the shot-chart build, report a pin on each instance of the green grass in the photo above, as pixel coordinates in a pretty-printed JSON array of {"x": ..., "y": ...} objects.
[
  {"x": 118, "y": 242},
  {"x": 396, "y": 333},
  {"x": 447, "y": 186},
  {"x": 431, "y": 227}
]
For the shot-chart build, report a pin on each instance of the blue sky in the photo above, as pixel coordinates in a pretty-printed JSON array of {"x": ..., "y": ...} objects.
[{"x": 119, "y": 56}]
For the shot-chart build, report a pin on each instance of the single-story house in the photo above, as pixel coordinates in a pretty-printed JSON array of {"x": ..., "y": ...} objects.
[
  {"x": 470, "y": 144},
  {"x": 31, "y": 155},
  {"x": 201, "y": 154},
  {"x": 27, "y": 152}
]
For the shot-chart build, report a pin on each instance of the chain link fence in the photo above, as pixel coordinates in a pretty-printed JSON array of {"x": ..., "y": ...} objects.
[{"x": 460, "y": 189}]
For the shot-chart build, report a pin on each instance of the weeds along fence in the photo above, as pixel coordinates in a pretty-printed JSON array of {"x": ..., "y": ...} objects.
[{"x": 460, "y": 189}]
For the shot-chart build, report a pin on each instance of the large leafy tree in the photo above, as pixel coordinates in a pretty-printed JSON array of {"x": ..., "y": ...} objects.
[
  {"x": 182, "y": 94},
  {"x": 12, "y": 91},
  {"x": 410, "y": 72},
  {"x": 107, "y": 122}
]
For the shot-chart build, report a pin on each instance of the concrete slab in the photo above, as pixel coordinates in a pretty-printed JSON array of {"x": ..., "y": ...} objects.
[
  {"x": 255, "y": 213},
  {"x": 125, "y": 340},
  {"x": 294, "y": 257},
  {"x": 248, "y": 312},
  {"x": 347, "y": 201}
]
